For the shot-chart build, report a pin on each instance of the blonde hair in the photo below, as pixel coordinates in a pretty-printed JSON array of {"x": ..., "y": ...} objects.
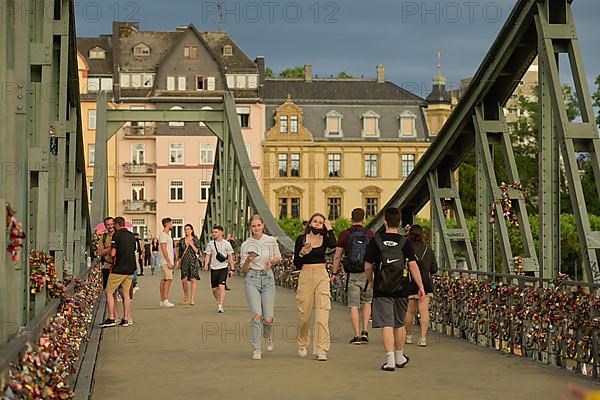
[{"x": 257, "y": 217}]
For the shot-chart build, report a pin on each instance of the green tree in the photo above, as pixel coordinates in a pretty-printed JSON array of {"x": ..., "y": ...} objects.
[
  {"x": 596, "y": 98},
  {"x": 344, "y": 75},
  {"x": 269, "y": 72},
  {"x": 293, "y": 72}
]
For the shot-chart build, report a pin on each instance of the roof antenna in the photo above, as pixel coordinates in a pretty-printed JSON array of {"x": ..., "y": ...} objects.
[{"x": 220, "y": 11}]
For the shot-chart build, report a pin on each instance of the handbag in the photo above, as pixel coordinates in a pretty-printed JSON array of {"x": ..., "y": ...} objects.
[{"x": 219, "y": 256}]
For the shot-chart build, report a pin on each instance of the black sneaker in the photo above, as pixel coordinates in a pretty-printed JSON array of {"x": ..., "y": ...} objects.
[
  {"x": 227, "y": 287},
  {"x": 387, "y": 368},
  {"x": 404, "y": 363},
  {"x": 124, "y": 322},
  {"x": 108, "y": 323},
  {"x": 355, "y": 340},
  {"x": 364, "y": 337}
]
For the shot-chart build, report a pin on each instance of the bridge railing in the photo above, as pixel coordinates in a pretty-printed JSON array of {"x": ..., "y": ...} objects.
[{"x": 555, "y": 322}]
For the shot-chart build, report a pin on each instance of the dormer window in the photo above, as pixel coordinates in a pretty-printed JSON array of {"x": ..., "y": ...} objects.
[
  {"x": 190, "y": 52},
  {"x": 370, "y": 124},
  {"x": 407, "y": 124},
  {"x": 97, "y": 53},
  {"x": 141, "y": 50},
  {"x": 227, "y": 50},
  {"x": 333, "y": 123}
]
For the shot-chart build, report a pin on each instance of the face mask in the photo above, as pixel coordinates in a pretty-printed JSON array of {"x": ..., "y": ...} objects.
[{"x": 316, "y": 231}]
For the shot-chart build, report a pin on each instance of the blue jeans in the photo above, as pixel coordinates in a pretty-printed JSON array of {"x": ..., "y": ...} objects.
[
  {"x": 260, "y": 295},
  {"x": 155, "y": 262}
]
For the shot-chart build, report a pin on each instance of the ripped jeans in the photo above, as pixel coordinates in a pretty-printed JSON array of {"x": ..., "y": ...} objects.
[
  {"x": 313, "y": 290},
  {"x": 260, "y": 295}
]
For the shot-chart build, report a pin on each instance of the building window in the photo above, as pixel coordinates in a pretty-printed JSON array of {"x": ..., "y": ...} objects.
[
  {"x": 334, "y": 165},
  {"x": 295, "y": 164},
  {"x": 408, "y": 164},
  {"x": 170, "y": 83},
  {"x": 243, "y": 114},
  {"x": 240, "y": 81},
  {"x": 136, "y": 81},
  {"x": 334, "y": 206},
  {"x": 283, "y": 124},
  {"x": 93, "y": 84},
  {"x": 176, "y": 190},
  {"x": 293, "y": 124},
  {"x": 204, "y": 190},
  {"x": 90, "y": 191},
  {"x": 137, "y": 153},
  {"x": 227, "y": 50},
  {"x": 408, "y": 124},
  {"x": 252, "y": 81},
  {"x": 230, "y": 81},
  {"x": 333, "y": 123},
  {"x": 141, "y": 50},
  {"x": 97, "y": 53},
  {"x": 205, "y": 108},
  {"x": 176, "y": 153},
  {"x": 176, "y": 124},
  {"x": 92, "y": 119},
  {"x": 283, "y": 208},
  {"x": 205, "y": 83},
  {"x": 371, "y": 206},
  {"x": 139, "y": 227},
  {"x": 91, "y": 154},
  {"x": 283, "y": 165},
  {"x": 295, "y": 207},
  {"x": 148, "y": 80},
  {"x": 370, "y": 124},
  {"x": 371, "y": 165},
  {"x": 137, "y": 191},
  {"x": 177, "y": 228},
  {"x": 190, "y": 52},
  {"x": 181, "y": 83},
  {"x": 207, "y": 153}
]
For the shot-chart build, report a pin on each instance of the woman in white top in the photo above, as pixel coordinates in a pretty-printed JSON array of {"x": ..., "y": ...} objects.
[{"x": 258, "y": 254}]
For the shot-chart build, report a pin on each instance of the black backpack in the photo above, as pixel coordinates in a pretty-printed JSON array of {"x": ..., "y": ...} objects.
[
  {"x": 354, "y": 259},
  {"x": 392, "y": 274}
]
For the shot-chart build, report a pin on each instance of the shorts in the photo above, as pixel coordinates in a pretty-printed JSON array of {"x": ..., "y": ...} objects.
[
  {"x": 416, "y": 296},
  {"x": 389, "y": 312},
  {"x": 218, "y": 277},
  {"x": 116, "y": 280},
  {"x": 166, "y": 272},
  {"x": 356, "y": 293},
  {"x": 105, "y": 274}
]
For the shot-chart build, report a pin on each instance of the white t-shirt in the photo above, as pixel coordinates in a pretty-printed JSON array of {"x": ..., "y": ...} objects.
[
  {"x": 267, "y": 248},
  {"x": 166, "y": 238},
  {"x": 224, "y": 248}
]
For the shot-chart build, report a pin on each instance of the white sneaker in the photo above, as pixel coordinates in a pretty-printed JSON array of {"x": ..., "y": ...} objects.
[
  {"x": 168, "y": 304},
  {"x": 322, "y": 356},
  {"x": 409, "y": 339},
  {"x": 220, "y": 308},
  {"x": 302, "y": 352},
  {"x": 270, "y": 345},
  {"x": 422, "y": 342},
  {"x": 135, "y": 289},
  {"x": 162, "y": 303},
  {"x": 257, "y": 355}
]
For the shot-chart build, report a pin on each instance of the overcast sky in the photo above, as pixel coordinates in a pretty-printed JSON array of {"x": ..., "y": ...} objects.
[{"x": 350, "y": 35}]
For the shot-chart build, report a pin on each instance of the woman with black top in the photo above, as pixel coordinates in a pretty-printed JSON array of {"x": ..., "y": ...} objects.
[
  {"x": 427, "y": 266},
  {"x": 155, "y": 265},
  {"x": 313, "y": 284},
  {"x": 189, "y": 264}
]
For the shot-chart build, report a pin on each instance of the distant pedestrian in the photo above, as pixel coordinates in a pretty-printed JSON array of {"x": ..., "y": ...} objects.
[
  {"x": 123, "y": 252},
  {"x": 189, "y": 264},
  {"x": 167, "y": 261},
  {"x": 217, "y": 257},
  {"x": 313, "y": 284},
  {"x": 425, "y": 258},
  {"x": 259, "y": 253},
  {"x": 147, "y": 253},
  {"x": 155, "y": 247},
  {"x": 352, "y": 245},
  {"x": 388, "y": 260}
]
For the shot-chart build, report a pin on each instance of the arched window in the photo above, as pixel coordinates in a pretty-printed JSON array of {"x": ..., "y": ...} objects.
[
  {"x": 205, "y": 108},
  {"x": 176, "y": 124},
  {"x": 142, "y": 50},
  {"x": 97, "y": 53}
]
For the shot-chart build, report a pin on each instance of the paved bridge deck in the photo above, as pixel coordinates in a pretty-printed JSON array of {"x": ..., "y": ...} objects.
[{"x": 193, "y": 352}]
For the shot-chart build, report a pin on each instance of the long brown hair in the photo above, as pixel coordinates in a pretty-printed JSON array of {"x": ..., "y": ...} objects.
[
  {"x": 416, "y": 234},
  {"x": 307, "y": 228}
]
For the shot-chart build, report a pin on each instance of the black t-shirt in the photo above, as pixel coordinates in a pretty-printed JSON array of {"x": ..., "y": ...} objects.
[
  {"x": 373, "y": 256},
  {"x": 125, "y": 244},
  {"x": 317, "y": 254}
]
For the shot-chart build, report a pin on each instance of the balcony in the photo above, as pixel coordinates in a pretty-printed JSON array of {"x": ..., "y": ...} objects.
[
  {"x": 143, "y": 169},
  {"x": 140, "y": 206},
  {"x": 135, "y": 132}
]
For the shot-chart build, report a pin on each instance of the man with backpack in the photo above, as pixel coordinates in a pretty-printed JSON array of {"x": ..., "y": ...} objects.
[
  {"x": 389, "y": 263},
  {"x": 352, "y": 246}
]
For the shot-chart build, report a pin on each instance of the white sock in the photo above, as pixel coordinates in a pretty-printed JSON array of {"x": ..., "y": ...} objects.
[
  {"x": 400, "y": 356},
  {"x": 391, "y": 360}
]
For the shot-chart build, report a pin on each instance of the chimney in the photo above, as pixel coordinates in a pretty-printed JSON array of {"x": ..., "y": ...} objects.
[
  {"x": 308, "y": 72},
  {"x": 260, "y": 65},
  {"x": 380, "y": 75}
]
